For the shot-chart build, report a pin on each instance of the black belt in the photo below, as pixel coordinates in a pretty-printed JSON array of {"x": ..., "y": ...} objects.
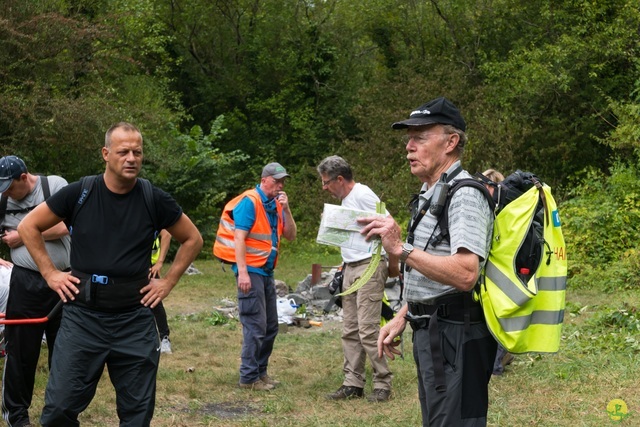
[
  {"x": 450, "y": 307},
  {"x": 457, "y": 307},
  {"x": 110, "y": 294}
]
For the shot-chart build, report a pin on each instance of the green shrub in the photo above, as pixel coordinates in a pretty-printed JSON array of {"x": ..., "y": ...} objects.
[{"x": 601, "y": 224}]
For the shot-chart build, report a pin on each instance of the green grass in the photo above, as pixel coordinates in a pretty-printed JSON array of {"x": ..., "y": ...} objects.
[{"x": 598, "y": 361}]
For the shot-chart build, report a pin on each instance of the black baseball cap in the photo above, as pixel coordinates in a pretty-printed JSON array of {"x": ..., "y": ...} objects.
[
  {"x": 437, "y": 111},
  {"x": 11, "y": 167}
]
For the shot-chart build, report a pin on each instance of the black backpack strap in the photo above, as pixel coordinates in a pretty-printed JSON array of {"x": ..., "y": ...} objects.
[
  {"x": 149, "y": 201},
  {"x": 46, "y": 193},
  {"x": 3, "y": 206},
  {"x": 86, "y": 184},
  {"x": 443, "y": 219},
  {"x": 44, "y": 182}
]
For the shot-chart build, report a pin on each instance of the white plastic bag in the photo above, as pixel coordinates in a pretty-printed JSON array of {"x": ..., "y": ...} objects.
[{"x": 286, "y": 310}]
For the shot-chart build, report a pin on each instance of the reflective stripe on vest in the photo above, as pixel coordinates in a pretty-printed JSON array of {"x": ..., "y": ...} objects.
[
  {"x": 526, "y": 317},
  {"x": 258, "y": 241}
]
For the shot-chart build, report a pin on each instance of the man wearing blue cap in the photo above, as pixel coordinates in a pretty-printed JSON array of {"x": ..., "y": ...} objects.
[
  {"x": 249, "y": 237},
  {"x": 452, "y": 346},
  {"x": 29, "y": 294}
]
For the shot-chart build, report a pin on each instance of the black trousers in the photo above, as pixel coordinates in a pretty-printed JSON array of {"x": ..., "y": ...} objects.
[
  {"x": 29, "y": 297},
  {"x": 127, "y": 343}
]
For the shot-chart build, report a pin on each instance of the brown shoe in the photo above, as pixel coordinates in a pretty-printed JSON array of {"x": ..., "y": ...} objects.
[
  {"x": 507, "y": 359},
  {"x": 268, "y": 380},
  {"x": 346, "y": 392},
  {"x": 379, "y": 395},
  {"x": 257, "y": 386}
]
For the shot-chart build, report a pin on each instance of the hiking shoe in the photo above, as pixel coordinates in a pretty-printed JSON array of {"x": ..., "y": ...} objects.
[
  {"x": 507, "y": 359},
  {"x": 257, "y": 386},
  {"x": 346, "y": 392},
  {"x": 268, "y": 380},
  {"x": 379, "y": 395},
  {"x": 165, "y": 345}
]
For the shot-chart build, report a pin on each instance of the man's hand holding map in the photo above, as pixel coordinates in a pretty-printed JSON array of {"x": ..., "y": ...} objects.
[{"x": 339, "y": 227}]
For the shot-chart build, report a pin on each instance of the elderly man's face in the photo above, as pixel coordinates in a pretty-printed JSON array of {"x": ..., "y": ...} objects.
[
  {"x": 427, "y": 147},
  {"x": 271, "y": 186}
]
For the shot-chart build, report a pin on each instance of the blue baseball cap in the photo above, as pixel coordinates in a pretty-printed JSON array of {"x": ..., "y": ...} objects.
[{"x": 11, "y": 167}]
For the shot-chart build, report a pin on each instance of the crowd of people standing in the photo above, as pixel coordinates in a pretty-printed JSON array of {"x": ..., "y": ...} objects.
[{"x": 111, "y": 294}]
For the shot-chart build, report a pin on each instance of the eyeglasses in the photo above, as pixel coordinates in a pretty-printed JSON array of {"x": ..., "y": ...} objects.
[
  {"x": 422, "y": 138},
  {"x": 325, "y": 183},
  {"x": 278, "y": 181}
]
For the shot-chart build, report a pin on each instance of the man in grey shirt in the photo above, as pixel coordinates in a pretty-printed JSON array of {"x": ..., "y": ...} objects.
[
  {"x": 452, "y": 346},
  {"x": 29, "y": 294}
]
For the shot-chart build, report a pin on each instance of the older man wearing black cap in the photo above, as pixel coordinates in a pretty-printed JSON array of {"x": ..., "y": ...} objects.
[
  {"x": 29, "y": 294},
  {"x": 249, "y": 237},
  {"x": 452, "y": 346}
]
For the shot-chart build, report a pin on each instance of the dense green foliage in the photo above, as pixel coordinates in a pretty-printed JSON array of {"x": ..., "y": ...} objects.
[
  {"x": 601, "y": 222},
  {"x": 219, "y": 88}
]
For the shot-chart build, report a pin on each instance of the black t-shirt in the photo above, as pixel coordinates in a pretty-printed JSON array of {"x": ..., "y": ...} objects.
[{"x": 113, "y": 233}]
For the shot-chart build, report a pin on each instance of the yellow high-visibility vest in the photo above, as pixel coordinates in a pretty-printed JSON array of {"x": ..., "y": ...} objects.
[
  {"x": 155, "y": 251},
  {"x": 526, "y": 317}
]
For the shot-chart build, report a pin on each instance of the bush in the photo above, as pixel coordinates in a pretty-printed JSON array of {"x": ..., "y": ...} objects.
[{"x": 601, "y": 223}]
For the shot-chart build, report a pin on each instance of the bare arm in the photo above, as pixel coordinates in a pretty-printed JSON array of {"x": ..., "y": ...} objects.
[
  {"x": 13, "y": 240},
  {"x": 244, "y": 282},
  {"x": 290, "y": 229},
  {"x": 186, "y": 233},
  {"x": 459, "y": 270},
  {"x": 32, "y": 229}
]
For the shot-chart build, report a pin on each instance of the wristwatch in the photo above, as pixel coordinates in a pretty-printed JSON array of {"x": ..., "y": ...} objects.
[{"x": 407, "y": 248}]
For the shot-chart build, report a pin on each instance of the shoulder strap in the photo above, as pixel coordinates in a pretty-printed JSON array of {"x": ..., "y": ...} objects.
[
  {"x": 443, "y": 219},
  {"x": 46, "y": 192},
  {"x": 86, "y": 184},
  {"x": 44, "y": 182},
  {"x": 149, "y": 201},
  {"x": 3, "y": 206},
  {"x": 418, "y": 213}
]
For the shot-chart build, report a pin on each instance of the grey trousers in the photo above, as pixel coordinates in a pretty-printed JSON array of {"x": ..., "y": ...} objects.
[{"x": 259, "y": 317}]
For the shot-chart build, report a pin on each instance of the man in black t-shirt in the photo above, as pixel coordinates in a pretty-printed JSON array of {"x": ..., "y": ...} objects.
[{"x": 107, "y": 317}]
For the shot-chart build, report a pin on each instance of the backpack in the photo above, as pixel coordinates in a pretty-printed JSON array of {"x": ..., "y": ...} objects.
[
  {"x": 87, "y": 183},
  {"x": 46, "y": 192},
  {"x": 523, "y": 284}
]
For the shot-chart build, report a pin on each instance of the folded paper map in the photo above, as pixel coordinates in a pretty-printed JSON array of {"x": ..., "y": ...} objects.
[{"x": 340, "y": 228}]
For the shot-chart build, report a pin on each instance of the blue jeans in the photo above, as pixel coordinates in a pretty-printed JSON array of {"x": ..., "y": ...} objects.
[{"x": 259, "y": 318}]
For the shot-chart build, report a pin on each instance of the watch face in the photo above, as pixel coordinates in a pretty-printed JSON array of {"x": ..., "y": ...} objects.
[{"x": 407, "y": 248}]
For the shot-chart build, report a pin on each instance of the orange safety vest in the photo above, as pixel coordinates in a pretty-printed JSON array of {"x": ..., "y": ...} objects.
[{"x": 258, "y": 241}]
